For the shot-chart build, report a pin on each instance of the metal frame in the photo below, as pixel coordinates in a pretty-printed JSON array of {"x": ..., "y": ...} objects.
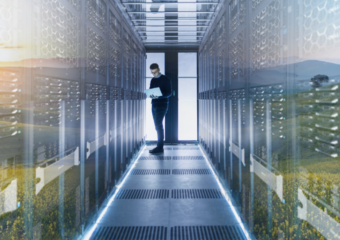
[
  {"x": 171, "y": 20},
  {"x": 133, "y": 12},
  {"x": 177, "y": 3},
  {"x": 171, "y": 26},
  {"x": 205, "y": 12},
  {"x": 171, "y": 31}
]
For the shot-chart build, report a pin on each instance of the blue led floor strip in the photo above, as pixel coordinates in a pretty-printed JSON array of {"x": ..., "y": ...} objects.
[
  {"x": 226, "y": 196},
  {"x": 90, "y": 232}
]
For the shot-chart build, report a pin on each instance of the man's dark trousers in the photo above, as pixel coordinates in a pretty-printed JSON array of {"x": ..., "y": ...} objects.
[{"x": 158, "y": 113}]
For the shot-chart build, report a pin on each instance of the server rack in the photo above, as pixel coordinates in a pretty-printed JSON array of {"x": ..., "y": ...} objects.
[
  {"x": 63, "y": 113},
  {"x": 279, "y": 119}
]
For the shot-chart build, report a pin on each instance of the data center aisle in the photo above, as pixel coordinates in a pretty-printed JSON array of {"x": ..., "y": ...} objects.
[{"x": 171, "y": 196}]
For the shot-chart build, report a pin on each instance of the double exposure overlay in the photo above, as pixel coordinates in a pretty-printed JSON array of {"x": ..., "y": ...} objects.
[
  {"x": 262, "y": 79},
  {"x": 269, "y": 90}
]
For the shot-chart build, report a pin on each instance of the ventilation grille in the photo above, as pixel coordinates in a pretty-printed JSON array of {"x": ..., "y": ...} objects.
[
  {"x": 186, "y": 148},
  {"x": 155, "y": 158},
  {"x": 196, "y": 193},
  {"x": 206, "y": 233},
  {"x": 143, "y": 194},
  {"x": 150, "y": 172},
  {"x": 191, "y": 171},
  {"x": 188, "y": 158},
  {"x": 135, "y": 233}
]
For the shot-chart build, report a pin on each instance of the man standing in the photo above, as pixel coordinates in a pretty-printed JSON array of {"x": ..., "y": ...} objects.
[{"x": 159, "y": 104}]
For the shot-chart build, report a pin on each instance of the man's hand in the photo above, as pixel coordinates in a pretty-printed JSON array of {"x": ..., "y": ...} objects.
[{"x": 153, "y": 97}]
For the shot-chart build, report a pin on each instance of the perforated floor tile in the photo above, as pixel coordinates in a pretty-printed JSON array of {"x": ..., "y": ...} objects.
[
  {"x": 192, "y": 171},
  {"x": 130, "y": 232},
  {"x": 153, "y": 157},
  {"x": 143, "y": 194},
  {"x": 196, "y": 194},
  {"x": 206, "y": 233},
  {"x": 150, "y": 172}
]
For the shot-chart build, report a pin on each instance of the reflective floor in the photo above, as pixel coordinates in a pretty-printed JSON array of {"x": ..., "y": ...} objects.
[{"x": 170, "y": 196}]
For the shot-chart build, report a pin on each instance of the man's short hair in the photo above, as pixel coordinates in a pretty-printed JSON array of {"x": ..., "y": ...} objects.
[{"x": 154, "y": 66}]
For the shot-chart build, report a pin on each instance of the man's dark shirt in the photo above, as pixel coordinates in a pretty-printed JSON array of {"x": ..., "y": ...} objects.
[{"x": 164, "y": 83}]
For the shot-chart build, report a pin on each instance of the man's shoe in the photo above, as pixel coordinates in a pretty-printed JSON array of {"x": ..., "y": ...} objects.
[{"x": 156, "y": 150}]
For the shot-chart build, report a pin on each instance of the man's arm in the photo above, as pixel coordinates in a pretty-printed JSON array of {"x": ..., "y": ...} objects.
[{"x": 166, "y": 89}]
